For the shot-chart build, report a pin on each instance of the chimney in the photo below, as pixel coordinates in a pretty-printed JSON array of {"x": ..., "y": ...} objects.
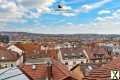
[{"x": 49, "y": 69}]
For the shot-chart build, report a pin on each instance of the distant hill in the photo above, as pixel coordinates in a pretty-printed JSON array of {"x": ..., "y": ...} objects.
[{"x": 34, "y": 36}]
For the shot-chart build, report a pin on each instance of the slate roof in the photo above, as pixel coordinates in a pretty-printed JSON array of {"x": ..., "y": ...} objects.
[
  {"x": 12, "y": 74},
  {"x": 70, "y": 53},
  {"x": 91, "y": 52}
]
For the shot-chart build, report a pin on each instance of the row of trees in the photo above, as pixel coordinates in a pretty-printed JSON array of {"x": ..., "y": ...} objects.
[{"x": 4, "y": 38}]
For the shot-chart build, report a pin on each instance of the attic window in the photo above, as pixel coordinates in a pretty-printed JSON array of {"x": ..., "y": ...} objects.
[
  {"x": 33, "y": 67},
  {"x": 90, "y": 68}
]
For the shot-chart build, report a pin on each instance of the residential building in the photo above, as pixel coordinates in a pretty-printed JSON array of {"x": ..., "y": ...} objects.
[
  {"x": 33, "y": 50},
  {"x": 15, "y": 49},
  {"x": 7, "y": 58},
  {"x": 72, "y": 56},
  {"x": 98, "y": 55}
]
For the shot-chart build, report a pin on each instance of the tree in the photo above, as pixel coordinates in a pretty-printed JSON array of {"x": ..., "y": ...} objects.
[{"x": 4, "y": 38}]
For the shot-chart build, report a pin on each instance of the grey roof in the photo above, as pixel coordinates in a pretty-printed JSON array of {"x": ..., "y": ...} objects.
[
  {"x": 38, "y": 61},
  {"x": 12, "y": 74}
]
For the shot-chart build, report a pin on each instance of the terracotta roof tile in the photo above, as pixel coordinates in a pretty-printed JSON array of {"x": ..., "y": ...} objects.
[
  {"x": 34, "y": 51},
  {"x": 104, "y": 72},
  {"x": 58, "y": 71},
  {"x": 39, "y": 72}
]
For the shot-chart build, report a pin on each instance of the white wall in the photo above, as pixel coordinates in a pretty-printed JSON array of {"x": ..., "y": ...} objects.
[{"x": 15, "y": 49}]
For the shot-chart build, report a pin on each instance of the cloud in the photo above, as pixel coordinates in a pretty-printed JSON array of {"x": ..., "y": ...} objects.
[
  {"x": 104, "y": 12},
  {"x": 68, "y": 11},
  {"x": 89, "y": 7},
  {"x": 35, "y": 3},
  {"x": 9, "y": 11},
  {"x": 103, "y": 25},
  {"x": 85, "y": 8},
  {"x": 19, "y": 10},
  {"x": 68, "y": 14}
]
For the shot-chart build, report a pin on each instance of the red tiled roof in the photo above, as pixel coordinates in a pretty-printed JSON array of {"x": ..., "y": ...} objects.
[
  {"x": 58, "y": 71},
  {"x": 104, "y": 72},
  {"x": 53, "y": 54},
  {"x": 34, "y": 51},
  {"x": 29, "y": 47},
  {"x": 39, "y": 72}
]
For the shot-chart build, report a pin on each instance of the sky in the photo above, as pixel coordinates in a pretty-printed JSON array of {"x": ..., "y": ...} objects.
[{"x": 74, "y": 16}]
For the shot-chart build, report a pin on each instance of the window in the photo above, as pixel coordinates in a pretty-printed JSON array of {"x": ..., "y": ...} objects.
[
  {"x": 73, "y": 54},
  {"x": 74, "y": 63},
  {"x": 0, "y": 66},
  {"x": 93, "y": 61},
  {"x": 99, "y": 55},
  {"x": 82, "y": 62},
  {"x": 66, "y": 63},
  {"x": 33, "y": 67},
  {"x": 11, "y": 65},
  {"x": 65, "y": 56},
  {"x": 5, "y": 65},
  {"x": 81, "y": 56}
]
